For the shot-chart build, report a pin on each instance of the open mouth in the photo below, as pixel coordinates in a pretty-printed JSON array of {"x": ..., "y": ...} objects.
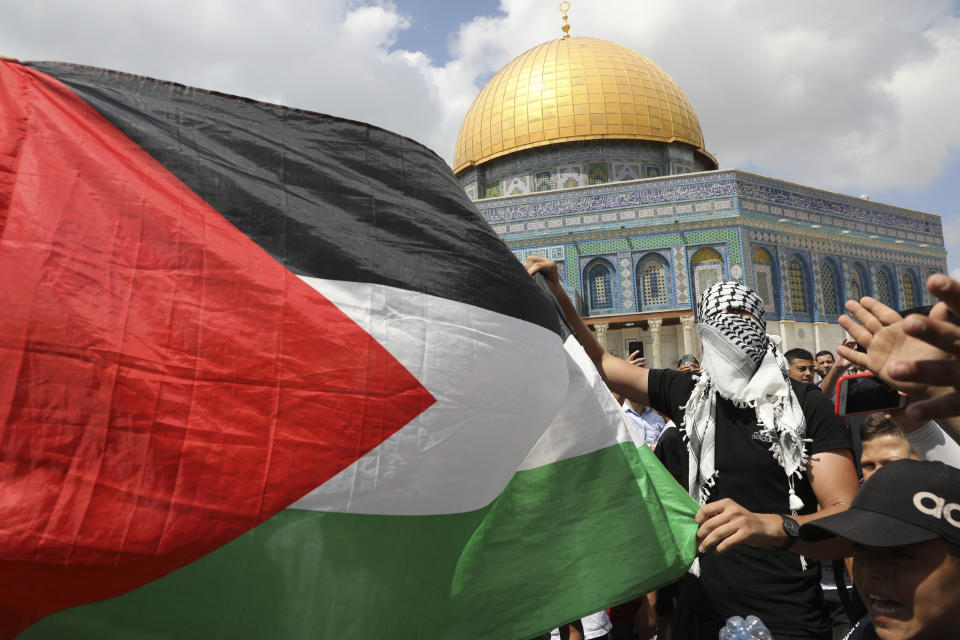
[{"x": 883, "y": 606}]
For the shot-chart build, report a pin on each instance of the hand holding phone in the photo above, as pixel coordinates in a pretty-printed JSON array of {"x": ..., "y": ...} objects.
[{"x": 866, "y": 393}]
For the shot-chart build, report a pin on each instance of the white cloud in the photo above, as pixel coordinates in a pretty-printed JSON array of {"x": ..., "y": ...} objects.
[
  {"x": 856, "y": 96},
  {"x": 329, "y": 56}
]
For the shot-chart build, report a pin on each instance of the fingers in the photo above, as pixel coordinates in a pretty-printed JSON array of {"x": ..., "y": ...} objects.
[
  {"x": 535, "y": 264},
  {"x": 711, "y": 509},
  {"x": 843, "y": 363},
  {"x": 732, "y": 540},
  {"x": 714, "y": 520},
  {"x": 940, "y": 333},
  {"x": 859, "y": 332},
  {"x": 884, "y": 314},
  {"x": 725, "y": 524},
  {"x": 944, "y": 406},
  {"x": 722, "y": 537},
  {"x": 870, "y": 314},
  {"x": 856, "y": 357},
  {"x": 946, "y": 289},
  {"x": 930, "y": 372}
]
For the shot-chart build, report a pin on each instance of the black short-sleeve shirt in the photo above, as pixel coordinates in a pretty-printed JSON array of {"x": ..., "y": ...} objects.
[{"x": 766, "y": 582}]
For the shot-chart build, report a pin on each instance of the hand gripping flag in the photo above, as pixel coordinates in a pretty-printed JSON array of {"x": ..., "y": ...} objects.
[{"x": 268, "y": 374}]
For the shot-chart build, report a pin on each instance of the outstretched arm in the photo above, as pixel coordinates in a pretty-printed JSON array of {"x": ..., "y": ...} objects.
[
  {"x": 621, "y": 377},
  {"x": 829, "y": 383}
]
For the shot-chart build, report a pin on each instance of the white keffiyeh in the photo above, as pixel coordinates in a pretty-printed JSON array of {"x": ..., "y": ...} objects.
[{"x": 744, "y": 365}]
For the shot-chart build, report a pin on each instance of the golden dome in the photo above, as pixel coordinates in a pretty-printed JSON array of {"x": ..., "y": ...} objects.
[{"x": 570, "y": 90}]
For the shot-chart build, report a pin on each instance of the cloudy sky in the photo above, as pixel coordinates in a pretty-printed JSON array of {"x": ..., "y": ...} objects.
[{"x": 859, "y": 96}]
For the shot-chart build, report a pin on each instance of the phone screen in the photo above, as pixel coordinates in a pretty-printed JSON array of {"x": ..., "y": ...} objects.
[{"x": 866, "y": 394}]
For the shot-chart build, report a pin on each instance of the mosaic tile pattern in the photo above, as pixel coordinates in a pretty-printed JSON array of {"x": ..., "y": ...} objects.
[
  {"x": 680, "y": 275},
  {"x": 800, "y": 198},
  {"x": 683, "y": 213},
  {"x": 626, "y": 280},
  {"x": 575, "y": 157},
  {"x": 683, "y": 192}
]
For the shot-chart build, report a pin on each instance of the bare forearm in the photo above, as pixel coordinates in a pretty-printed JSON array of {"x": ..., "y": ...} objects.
[
  {"x": 771, "y": 532},
  {"x": 621, "y": 377},
  {"x": 580, "y": 329},
  {"x": 826, "y": 549},
  {"x": 829, "y": 383}
]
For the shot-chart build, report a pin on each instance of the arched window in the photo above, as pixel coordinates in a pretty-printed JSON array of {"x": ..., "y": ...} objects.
[
  {"x": 829, "y": 288},
  {"x": 599, "y": 285},
  {"x": 652, "y": 281},
  {"x": 763, "y": 279},
  {"x": 707, "y": 267},
  {"x": 908, "y": 290},
  {"x": 798, "y": 290},
  {"x": 884, "y": 291},
  {"x": 856, "y": 282}
]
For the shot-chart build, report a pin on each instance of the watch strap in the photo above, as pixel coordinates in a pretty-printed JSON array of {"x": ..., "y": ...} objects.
[{"x": 792, "y": 528}]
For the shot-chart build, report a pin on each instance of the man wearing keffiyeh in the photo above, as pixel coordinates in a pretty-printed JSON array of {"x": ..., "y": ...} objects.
[{"x": 763, "y": 454}]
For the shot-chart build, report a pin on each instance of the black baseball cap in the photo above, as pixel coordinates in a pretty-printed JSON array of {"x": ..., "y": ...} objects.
[{"x": 905, "y": 502}]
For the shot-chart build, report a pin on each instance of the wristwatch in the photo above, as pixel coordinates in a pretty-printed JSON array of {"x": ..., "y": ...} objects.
[{"x": 792, "y": 529}]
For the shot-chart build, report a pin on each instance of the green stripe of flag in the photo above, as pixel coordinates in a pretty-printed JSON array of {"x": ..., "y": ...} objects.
[{"x": 545, "y": 551}]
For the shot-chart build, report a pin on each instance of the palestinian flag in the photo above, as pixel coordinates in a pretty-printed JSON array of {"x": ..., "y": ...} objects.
[{"x": 268, "y": 374}]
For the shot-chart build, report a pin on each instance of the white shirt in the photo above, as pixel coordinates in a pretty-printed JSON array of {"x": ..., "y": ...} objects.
[
  {"x": 649, "y": 424},
  {"x": 931, "y": 443},
  {"x": 594, "y": 625}
]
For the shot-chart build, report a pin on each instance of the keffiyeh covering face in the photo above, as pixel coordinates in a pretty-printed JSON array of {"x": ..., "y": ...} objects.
[
  {"x": 744, "y": 365},
  {"x": 718, "y": 309}
]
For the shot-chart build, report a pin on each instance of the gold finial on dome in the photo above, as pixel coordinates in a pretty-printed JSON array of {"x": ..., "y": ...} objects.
[{"x": 564, "y": 7}]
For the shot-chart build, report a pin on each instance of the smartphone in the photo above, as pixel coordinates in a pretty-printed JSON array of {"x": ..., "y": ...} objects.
[
  {"x": 865, "y": 393},
  {"x": 635, "y": 345}
]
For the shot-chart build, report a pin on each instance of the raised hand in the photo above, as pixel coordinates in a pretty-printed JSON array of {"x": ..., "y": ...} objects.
[{"x": 881, "y": 331}]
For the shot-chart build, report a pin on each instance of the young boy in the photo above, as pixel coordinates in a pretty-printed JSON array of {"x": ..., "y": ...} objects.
[{"x": 905, "y": 528}]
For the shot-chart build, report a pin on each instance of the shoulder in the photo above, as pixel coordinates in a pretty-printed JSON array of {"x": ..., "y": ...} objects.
[
  {"x": 671, "y": 379},
  {"x": 827, "y": 430},
  {"x": 808, "y": 392},
  {"x": 669, "y": 390},
  {"x": 812, "y": 399}
]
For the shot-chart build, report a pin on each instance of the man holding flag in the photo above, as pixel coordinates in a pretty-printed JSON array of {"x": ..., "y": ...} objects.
[{"x": 763, "y": 454}]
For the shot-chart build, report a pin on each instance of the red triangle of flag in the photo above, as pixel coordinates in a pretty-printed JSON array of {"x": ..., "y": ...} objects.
[{"x": 168, "y": 385}]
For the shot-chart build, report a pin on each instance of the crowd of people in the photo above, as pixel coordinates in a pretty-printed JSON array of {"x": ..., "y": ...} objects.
[{"x": 787, "y": 488}]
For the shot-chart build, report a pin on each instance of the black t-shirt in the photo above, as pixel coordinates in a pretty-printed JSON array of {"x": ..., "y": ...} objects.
[{"x": 766, "y": 582}]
